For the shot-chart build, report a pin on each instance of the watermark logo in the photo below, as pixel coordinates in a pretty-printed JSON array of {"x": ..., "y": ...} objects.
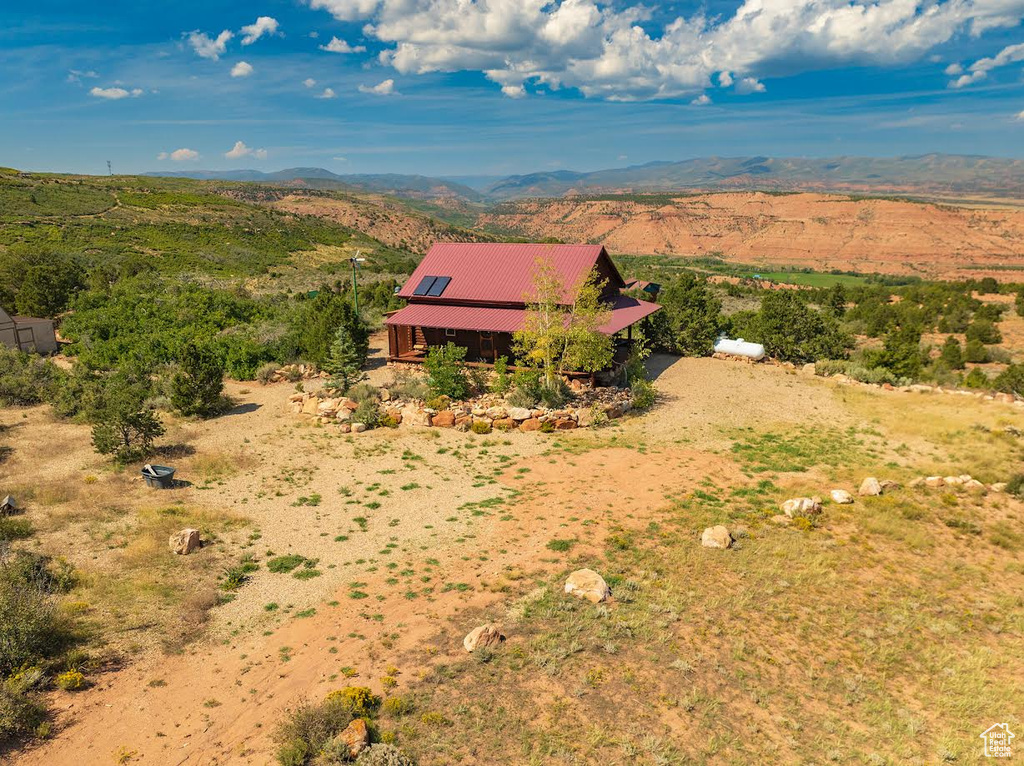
[{"x": 998, "y": 739}]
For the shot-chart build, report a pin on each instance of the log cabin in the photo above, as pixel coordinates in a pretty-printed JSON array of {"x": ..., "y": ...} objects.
[{"x": 475, "y": 295}]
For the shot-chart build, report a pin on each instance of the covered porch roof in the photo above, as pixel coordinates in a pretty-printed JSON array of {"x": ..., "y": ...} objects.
[{"x": 625, "y": 311}]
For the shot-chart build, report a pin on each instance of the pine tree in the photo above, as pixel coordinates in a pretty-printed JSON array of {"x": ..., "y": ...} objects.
[{"x": 348, "y": 351}]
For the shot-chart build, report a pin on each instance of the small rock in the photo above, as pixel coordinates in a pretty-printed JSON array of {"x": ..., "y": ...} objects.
[
  {"x": 564, "y": 424},
  {"x": 889, "y": 485},
  {"x": 519, "y": 413},
  {"x": 185, "y": 541},
  {"x": 485, "y": 635},
  {"x": 973, "y": 485},
  {"x": 841, "y": 496},
  {"x": 934, "y": 482},
  {"x": 802, "y": 506},
  {"x": 530, "y": 424},
  {"x": 953, "y": 481},
  {"x": 358, "y": 428},
  {"x": 588, "y": 584},
  {"x": 716, "y": 537},
  {"x": 999, "y": 486},
  {"x": 870, "y": 487},
  {"x": 504, "y": 424},
  {"x": 781, "y": 519},
  {"x": 444, "y": 419}
]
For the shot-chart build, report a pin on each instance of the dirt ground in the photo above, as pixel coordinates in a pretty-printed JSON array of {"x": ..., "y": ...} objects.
[{"x": 408, "y": 530}]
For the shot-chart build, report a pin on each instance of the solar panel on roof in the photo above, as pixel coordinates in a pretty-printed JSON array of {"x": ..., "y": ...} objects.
[
  {"x": 438, "y": 287},
  {"x": 425, "y": 284}
]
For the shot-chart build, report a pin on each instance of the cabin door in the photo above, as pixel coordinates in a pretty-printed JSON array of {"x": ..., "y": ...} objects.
[{"x": 487, "y": 346}]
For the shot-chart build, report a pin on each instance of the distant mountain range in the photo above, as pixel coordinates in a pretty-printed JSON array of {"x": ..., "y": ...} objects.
[
  {"x": 318, "y": 178},
  {"x": 932, "y": 174}
]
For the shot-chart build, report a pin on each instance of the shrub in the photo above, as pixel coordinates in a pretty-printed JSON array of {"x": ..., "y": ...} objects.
[
  {"x": 1011, "y": 380},
  {"x": 382, "y": 754},
  {"x": 409, "y": 385},
  {"x": 308, "y": 729},
  {"x": 977, "y": 378},
  {"x": 21, "y": 713},
  {"x": 519, "y": 397},
  {"x": 281, "y": 564},
  {"x": 265, "y": 373},
  {"x": 438, "y": 402},
  {"x": 357, "y": 700},
  {"x": 397, "y": 706},
  {"x": 71, "y": 681},
  {"x": 975, "y": 352},
  {"x": 644, "y": 394},
  {"x": 952, "y": 354},
  {"x": 501, "y": 381},
  {"x": 1015, "y": 486},
  {"x": 197, "y": 386},
  {"x": 480, "y": 427},
  {"x": 127, "y": 436},
  {"x": 984, "y": 331},
  {"x": 367, "y": 412},
  {"x": 555, "y": 394},
  {"x": 792, "y": 332},
  {"x": 26, "y": 379},
  {"x": 693, "y": 314},
  {"x": 446, "y": 375},
  {"x": 360, "y": 392}
]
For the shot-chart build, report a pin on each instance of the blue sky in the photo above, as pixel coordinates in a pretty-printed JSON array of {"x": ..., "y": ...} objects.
[{"x": 495, "y": 87}]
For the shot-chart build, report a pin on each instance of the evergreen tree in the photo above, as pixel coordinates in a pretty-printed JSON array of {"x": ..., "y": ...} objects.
[
  {"x": 347, "y": 354},
  {"x": 952, "y": 355},
  {"x": 902, "y": 352},
  {"x": 835, "y": 301},
  {"x": 693, "y": 315},
  {"x": 197, "y": 385}
]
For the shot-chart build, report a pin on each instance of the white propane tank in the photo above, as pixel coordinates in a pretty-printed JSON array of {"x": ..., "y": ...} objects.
[{"x": 739, "y": 347}]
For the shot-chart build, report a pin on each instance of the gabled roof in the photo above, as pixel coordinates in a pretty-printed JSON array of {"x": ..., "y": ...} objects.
[{"x": 500, "y": 273}]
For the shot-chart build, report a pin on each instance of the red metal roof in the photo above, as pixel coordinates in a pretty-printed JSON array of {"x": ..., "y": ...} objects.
[
  {"x": 497, "y": 272},
  {"x": 624, "y": 312}
]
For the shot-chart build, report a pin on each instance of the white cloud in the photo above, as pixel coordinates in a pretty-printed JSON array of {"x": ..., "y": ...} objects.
[
  {"x": 610, "y": 50},
  {"x": 953, "y": 69},
  {"x": 385, "y": 88},
  {"x": 979, "y": 70},
  {"x": 340, "y": 159},
  {"x": 264, "y": 25},
  {"x": 1020, "y": 116},
  {"x": 309, "y": 82},
  {"x": 241, "y": 69},
  {"x": 240, "y": 150},
  {"x": 337, "y": 45},
  {"x": 208, "y": 48},
  {"x": 74, "y": 75},
  {"x": 179, "y": 155},
  {"x": 328, "y": 93},
  {"x": 749, "y": 85},
  {"x": 702, "y": 100},
  {"x": 116, "y": 93}
]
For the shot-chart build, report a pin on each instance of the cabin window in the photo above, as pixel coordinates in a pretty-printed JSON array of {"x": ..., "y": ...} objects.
[{"x": 449, "y": 333}]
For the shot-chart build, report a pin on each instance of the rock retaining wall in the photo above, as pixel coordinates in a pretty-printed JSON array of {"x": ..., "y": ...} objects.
[{"x": 489, "y": 412}]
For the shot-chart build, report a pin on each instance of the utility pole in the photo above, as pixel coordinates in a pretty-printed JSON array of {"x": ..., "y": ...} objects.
[
  {"x": 355, "y": 286},
  {"x": 109, "y": 169}
]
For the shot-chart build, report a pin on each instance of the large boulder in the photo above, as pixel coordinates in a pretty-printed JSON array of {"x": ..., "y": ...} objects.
[
  {"x": 484, "y": 635},
  {"x": 565, "y": 424},
  {"x": 934, "y": 482},
  {"x": 504, "y": 424},
  {"x": 588, "y": 584},
  {"x": 310, "y": 406},
  {"x": 802, "y": 506},
  {"x": 354, "y": 739},
  {"x": 444, "y": 419},
  {"x": 184, "y": 542},
  {"x": 716, "y": 537},
  {"x": 530, "y": 424},
  {"x": 870, "y": 487},
  {"x": 841, "y": 497},
  {"x": 519, "y": 413}
]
